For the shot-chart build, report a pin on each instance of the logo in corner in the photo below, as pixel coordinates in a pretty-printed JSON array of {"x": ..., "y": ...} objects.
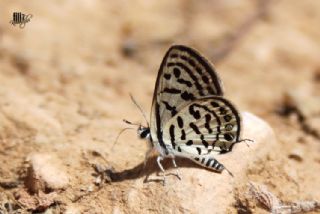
[{"x": 20, "y": 19}]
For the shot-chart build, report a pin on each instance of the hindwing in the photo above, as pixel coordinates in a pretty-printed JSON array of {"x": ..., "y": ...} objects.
[{"x": 206, "y": 124}]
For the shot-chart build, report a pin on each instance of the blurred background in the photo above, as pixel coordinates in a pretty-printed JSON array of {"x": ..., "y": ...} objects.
[{"x": 65, "y": 80}]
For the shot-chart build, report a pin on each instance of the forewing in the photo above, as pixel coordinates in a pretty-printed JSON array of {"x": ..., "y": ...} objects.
[
  {"x": 206, "y": 124},
  {"x": 183, "y": 77}
]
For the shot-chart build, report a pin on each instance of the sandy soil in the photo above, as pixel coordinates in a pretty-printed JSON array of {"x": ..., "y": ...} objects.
[{"x": 65, "y": 81}]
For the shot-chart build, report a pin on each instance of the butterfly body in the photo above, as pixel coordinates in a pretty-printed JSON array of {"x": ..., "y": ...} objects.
[
  {"x": 144, "y": 133},
  {"x": 190, "y": 117}
]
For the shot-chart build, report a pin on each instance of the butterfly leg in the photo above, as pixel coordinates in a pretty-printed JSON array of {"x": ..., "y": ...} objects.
[
  {"x": 210, "y": 163},
  {"x": 159, "y": 159},
  {"x": 175, "y": 166},
  {"x": 148, "y": 153}
]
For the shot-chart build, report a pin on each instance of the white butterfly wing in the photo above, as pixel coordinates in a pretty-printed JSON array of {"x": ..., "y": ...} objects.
[{"x": 183, "y": 77}]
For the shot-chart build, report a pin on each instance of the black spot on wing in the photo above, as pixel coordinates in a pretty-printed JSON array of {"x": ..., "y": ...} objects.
[
  {"x": 223, "y": 149},
  {"x": 180, "y": 122},
  {"x": 207, "y": 124},
  {"x": 170, "y": 108},
  {"x": 214, "y": 104},
  {"x": 176, "y": 72},
  {"x": 189, "y": 143},
  {"x": 187, "y": 96},
  {"x": 194, "y": 113},
  {"x": 173, "y": 55},
  {"x": 183, "y": 135},
  {"x": 227, "y": 118},
  {"x": 198, "y": 150},
  {"x": 223, "y": 110},
  {"x": 167, "y": 76},
  {"x": 184, "y": 57},
  {"x": 228, "y": 136},
  {"x": 195, "y": 128},
  {"x": 205, "y": 143},
  {"x": 185, "y": 82},
  {"x": 171, "y": 131},
  {"x": 205, "y": 79},
  {"x": 214, "y": 144},
  {"x": 203, "y": 159},
  {"x": 171, "y": 91},
  {"x": 192, "y": 62},
  {"x": 199, "y": 70},
  {"x": 172, "y": 136}
]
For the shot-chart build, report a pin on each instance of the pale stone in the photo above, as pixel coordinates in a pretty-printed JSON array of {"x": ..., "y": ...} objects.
[
  {"x": 201, "y": 190},
  {"x": 45, "y": 172}
]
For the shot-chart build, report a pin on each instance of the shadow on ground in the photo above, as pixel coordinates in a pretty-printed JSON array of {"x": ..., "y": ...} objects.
[{"x": 151, "y": 167}]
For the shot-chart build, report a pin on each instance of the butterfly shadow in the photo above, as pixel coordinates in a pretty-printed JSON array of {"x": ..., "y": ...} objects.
[{"x": 151, "y": 167}]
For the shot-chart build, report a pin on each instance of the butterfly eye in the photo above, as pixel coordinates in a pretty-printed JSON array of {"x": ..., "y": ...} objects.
[{"x": 143, "y": 132}]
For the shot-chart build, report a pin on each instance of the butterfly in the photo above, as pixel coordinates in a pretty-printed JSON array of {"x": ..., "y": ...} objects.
[{"x": 190, "y": 118}]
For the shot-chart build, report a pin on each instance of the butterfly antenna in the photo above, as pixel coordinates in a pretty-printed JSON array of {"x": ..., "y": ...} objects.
[
  {"x": 140, "y": 109},
  {"x": 123, "y": 130},
  {"x": 130, "y": 123}
]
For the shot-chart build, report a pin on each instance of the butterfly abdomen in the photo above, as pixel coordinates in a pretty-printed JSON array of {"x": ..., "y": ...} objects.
[{"x": 209, "y": 162}]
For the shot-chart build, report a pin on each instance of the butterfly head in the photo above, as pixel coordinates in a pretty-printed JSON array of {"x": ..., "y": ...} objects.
[{"x": 143, "y": 132}]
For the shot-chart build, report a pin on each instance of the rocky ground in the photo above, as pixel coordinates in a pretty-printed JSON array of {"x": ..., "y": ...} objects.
[{"x": 65, "y": 80}]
